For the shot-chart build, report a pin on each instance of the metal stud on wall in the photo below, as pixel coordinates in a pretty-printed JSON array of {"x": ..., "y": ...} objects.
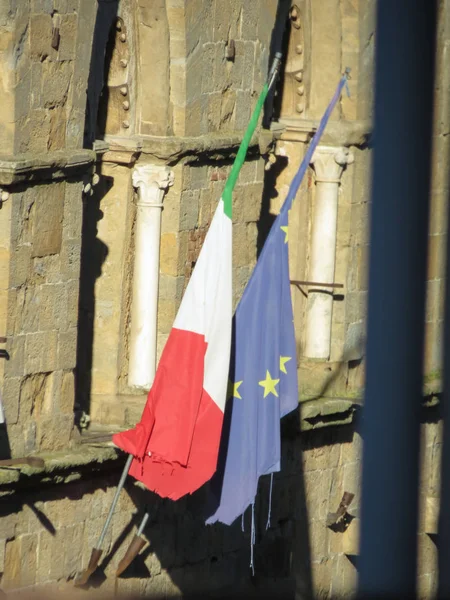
[{"x": 115, "y": 102}]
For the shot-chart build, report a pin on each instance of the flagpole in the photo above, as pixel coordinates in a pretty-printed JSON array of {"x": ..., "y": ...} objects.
[{"x": 138, "y": 542}]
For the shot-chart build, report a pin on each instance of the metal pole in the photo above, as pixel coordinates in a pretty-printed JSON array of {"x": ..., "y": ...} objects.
[
  {"x": 96, "y": 553},
  {"x": 443, "y": 148},
  {"x": 397, "y": 273}
]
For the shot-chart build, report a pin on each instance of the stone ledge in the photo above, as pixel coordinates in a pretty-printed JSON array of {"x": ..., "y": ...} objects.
[
  {"x": 170, "y": 150},
  {"x": 327, "y": 412},
  {"x": 53, "y": 165},
  {"x": 319, "y": 412},
  {"x": 337, "y": 133},
  {"x": 62, "y": 467}
]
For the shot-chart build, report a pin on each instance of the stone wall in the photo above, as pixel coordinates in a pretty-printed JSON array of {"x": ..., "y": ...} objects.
[
  {"x": 46, "y": 540},
  {"x": 210, "y": 60},
  {"x": 41, "y": 325},
  {"x": 47, "y": 45}
]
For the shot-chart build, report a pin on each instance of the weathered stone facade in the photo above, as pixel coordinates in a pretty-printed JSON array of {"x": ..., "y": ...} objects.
[{"x": 92, "y": 90}]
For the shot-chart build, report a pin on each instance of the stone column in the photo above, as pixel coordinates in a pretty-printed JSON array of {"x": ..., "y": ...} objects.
[
  {"x": 328, "y": 162},
  {"x": 151, "y": 182}
]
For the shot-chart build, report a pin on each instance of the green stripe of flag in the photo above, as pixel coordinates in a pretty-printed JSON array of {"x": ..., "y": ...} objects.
[{"x": 242, "y": 153}]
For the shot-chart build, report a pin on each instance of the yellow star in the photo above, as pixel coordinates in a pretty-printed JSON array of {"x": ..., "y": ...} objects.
[
  {"x": 269, "y": 385},
  {"x": 283, "y": 361},
  {"x": 232, "y": 391},
  {"x": 285, "y": 228}
]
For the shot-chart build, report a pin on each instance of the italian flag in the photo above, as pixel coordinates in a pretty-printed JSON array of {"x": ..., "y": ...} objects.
[{"x": 176, "y": 443}]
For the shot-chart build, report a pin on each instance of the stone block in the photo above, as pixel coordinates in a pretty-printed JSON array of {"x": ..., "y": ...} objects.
[
  {"x": 250, "y": 20},
  {"x": 208, "y": 50},
  {"x": 321, "y": 457},
  {"x": 73, "y": 211},
  {"x": 248, "y": 173},
  {"x": 356, "y": 307},
  {"x": 2, "y": 555},
  {"x": 54, "y": 433},
  {"x": 169, "y": 254},
  {"x": 228, "y": 110},
  {"x": 170, "y": 222},
  {"x": 343, "y": 577},
  {"x": 65, "y": 296},
  {"x": 43, "y": 567},
  {"x": 167, "y": 310},
  {"x": 41, "y": 26},
  {"x": 189, "y": 210},
  {"x": 73, "y": 537},
  {"x": 70, "y": 259},
  {"x": 67, "y": 349},
  {"x": 22, "y": 94},
  {"x": 350, "y": 538},
  {"x": 57, "y": 133},
  {"x": 67, "y": 398},
  {"x": 41, "y": 6},
  {"x": 46, "y": 269},
  {"x": 15, "y": 347},
  {"x": 170, "y": 288},
  {"x": 20, "y": 265},
  {"x": 20, "y": 562},
  {"x": 221, "y": 72},
  {"x": 68, "y": 36},
  {"x": 317, "y": 490},
  {"x": 41, "y": 352},
  {"x": 214, "y": 105},
  {"x": 60, "y": 6},
  {"x": 252, "y": 243},
  {"x": 354, "y": 345},
  {"x": 32, "y": 132},
  {"x": 47, "y": 220},
  {"x": 240, "y": 245},
  {"x": 72, "y": 292},
  {"x": 55, "y": 83},
  {"x": 318, "y": 539},
  {"x": 204, "y": 216},
  {"x": 321, "y": 576},
  {"x": 10, "y": 396},
  {"x": 352, "y": 481}
]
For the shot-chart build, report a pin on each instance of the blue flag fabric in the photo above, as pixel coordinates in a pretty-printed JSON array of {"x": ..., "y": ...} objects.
[{"x": 263, "y": 369}]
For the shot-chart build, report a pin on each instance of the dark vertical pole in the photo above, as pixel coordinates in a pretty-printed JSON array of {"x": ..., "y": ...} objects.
[
  {"x": 405, "y": 41},
  {"x": 444, "y": 514},
  {"x": 443, "y": 149}
]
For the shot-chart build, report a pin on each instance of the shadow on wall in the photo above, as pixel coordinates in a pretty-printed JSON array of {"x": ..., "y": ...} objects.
[
  {"x": 100, "y": 60},
  {"x": 93, "y": 255},
  {"x": 93, "y": 251}
]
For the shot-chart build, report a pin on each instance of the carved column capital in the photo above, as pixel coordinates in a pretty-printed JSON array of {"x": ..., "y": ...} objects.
[
  {"x": 152, "y": 181},
  {"x": 329, "y": 163}
]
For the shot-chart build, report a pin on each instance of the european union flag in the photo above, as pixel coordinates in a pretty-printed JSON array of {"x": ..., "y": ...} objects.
[{"x": 263, "y": 383}]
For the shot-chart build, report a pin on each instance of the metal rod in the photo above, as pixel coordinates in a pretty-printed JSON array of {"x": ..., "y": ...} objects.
[
  {"x": 115, "y": 500},
  {"x": 396, "y": 311},
  {"x": 316, "y": 284},
  {"x": 275, "y": 69},
  {"x": 143, "y": 523}
]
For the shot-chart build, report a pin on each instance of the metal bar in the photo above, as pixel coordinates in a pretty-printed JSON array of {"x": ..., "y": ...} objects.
[
  {"x": 143, "y": 523},
  {"x": 316, "y": 284},
  {"x": 274, "y": 70},
  {"x": 115, "y": 500},
  {"x": 404, "y": 67}
]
